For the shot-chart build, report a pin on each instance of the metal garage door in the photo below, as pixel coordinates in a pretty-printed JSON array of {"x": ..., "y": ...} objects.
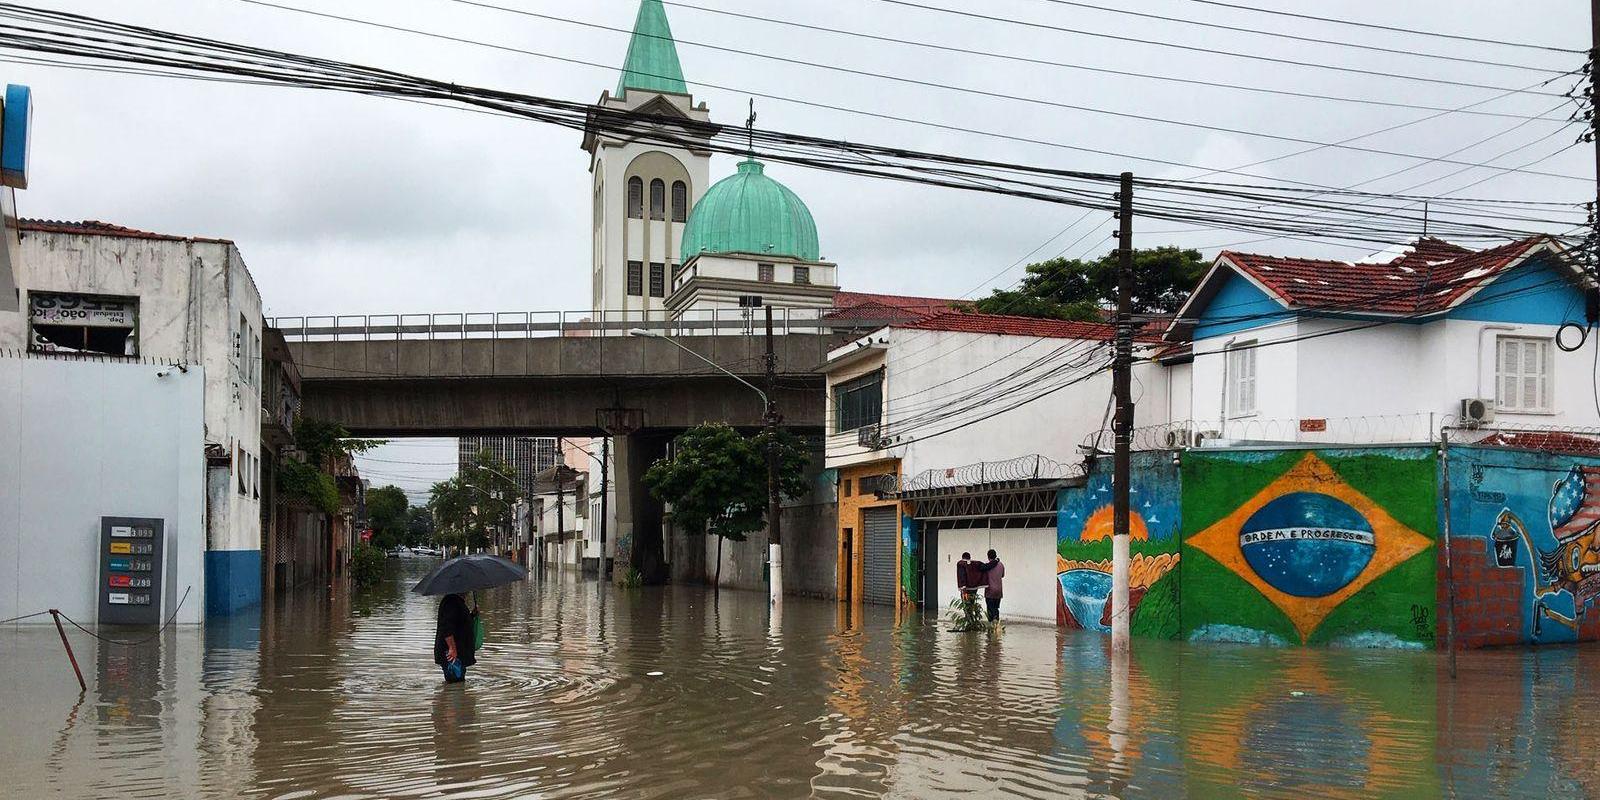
[{"x": 882, "y": 534}]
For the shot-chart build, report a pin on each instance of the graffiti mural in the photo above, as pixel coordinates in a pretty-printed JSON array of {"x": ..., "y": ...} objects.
[
  {"x": 1302, "y": 547},
  {"x": 910, "y": 561},
  {"x": 1083, "y": 549},
  {"x": 1537, "y": 516}
]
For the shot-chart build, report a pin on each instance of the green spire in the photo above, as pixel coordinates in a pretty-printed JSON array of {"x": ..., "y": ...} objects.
[{"x": 652, "y": 63}]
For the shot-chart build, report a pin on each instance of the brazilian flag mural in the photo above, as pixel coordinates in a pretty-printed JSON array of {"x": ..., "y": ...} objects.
[{"x": 1305, "y": 547}]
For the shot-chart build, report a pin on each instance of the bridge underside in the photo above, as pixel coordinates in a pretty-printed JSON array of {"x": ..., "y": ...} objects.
[
  {"x": 395, "y": 407},
  {"x": 553, "y": 385},
  {"x": 560, "y": 386}
]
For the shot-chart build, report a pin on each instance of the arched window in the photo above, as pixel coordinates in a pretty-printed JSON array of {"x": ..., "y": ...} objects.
[
  {"x": 680, "y": 201},
  {"x": 658, "y": 199},
  {"x": 636, "y": 198}
]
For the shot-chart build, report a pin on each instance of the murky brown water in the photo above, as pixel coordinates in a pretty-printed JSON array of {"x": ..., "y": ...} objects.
[{"x": 339, "y": 698}]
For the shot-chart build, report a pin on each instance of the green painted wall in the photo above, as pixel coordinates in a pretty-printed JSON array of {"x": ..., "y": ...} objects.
[{"x": 1309, "y": 547}]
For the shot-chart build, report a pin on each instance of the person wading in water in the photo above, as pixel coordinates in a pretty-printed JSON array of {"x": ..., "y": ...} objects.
[
  {"x": 994, "y": 573},
  {"x": 453, "y": 638}
]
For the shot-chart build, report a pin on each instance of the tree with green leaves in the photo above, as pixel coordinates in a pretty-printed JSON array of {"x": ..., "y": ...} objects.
[
  {"x": 307, "y": 475},
  {"x": 388, "y": 513},
  {"x": 468, "y": 507},
  {"x": 716, "y": 480},
  {"x": 1076, "y": 289}
]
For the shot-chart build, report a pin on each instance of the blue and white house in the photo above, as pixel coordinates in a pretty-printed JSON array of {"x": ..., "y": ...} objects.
[{"x": 1388, "y": 348}]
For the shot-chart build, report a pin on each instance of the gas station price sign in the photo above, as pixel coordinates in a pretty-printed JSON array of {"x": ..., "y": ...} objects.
[{"x": 130, "y": 570}]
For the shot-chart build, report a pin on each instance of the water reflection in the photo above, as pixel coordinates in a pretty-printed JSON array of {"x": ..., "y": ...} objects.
[{"x": 586, "y": 691}]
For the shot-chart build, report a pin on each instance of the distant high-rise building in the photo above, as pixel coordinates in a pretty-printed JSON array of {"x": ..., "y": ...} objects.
[{"x": 526, "y": 455}]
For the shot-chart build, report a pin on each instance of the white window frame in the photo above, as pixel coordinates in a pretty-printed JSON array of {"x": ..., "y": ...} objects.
[
  {"x": 1518, "y": 377},
  {"x": 1241, "y": 376}
]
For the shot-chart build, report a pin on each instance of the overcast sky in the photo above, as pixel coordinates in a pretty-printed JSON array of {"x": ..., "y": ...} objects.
[{"x": 348, "y": 204}]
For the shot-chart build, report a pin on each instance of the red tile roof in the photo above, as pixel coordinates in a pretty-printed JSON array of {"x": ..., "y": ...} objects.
[
  {"x": 1004, "y": 325},
  {"x": 1428, "y": 277},
  {"x": 1553, "y": 441},
  {"x": 91, "y": 227},
  {"x": 887, "y": 307}
]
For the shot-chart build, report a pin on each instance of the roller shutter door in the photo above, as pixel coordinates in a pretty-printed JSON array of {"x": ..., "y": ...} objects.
[{"x": 882, "y": 537}]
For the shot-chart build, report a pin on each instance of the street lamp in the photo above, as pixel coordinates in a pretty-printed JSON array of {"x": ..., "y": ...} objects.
[{"x": 770, "y": 419}]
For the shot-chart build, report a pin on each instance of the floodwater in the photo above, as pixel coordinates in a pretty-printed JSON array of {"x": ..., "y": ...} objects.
[{"x": 590, "y": 691}]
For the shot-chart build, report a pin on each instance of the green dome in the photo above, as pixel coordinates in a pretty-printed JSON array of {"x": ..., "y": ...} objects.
[{"x": 748, "y": 212}]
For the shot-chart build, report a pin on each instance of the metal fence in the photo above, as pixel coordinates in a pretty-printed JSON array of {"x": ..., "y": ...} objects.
[
  {"x": 1014, "y": 469},
  {"x": 542, "y": 324}
]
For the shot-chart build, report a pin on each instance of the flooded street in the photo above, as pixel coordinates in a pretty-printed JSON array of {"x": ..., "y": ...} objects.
[{"x": 584, "y": 691}]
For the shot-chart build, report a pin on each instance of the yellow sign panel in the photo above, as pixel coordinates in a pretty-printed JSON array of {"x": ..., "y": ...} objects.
[{"x": 121, "y": 548}]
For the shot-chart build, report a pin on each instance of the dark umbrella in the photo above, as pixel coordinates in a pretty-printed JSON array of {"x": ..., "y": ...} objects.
[{"x": 469, "y": 573}]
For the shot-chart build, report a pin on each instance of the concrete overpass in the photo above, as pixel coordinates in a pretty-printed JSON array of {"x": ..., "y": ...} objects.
[
  {"x": 395, "y": 376},
  {"x": 549, "y": 373}
]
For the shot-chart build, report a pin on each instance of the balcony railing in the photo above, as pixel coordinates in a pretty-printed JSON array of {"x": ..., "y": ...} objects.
[{"x": 543, "y": 324}]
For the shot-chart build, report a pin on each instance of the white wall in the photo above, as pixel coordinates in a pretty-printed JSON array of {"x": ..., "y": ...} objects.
[
  {"x": 1391, "y": 383},
  {"x": 1030, "y": 558},
  {"x": 82, "y": 440},
  {"x": 192, "y": 294},
  {"x": 928, "y": 372}
]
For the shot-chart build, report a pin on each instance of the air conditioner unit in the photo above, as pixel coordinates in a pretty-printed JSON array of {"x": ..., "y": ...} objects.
[
  {"x": 1179, "y": 438},
  {"x": 868, "y": 436},
  {"x": 1201, "y": 437},
  {"x": 1476, "y": 411}
]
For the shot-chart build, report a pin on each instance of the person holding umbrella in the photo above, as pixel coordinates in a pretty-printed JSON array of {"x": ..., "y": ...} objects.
[{"x": 455, "y": 636}]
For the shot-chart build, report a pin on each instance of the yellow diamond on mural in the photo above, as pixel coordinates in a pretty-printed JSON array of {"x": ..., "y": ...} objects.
[{"x": 1308, "y": 542}]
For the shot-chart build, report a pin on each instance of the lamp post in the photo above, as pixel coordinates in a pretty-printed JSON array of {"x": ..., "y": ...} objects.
[{"x": 770, "y": 422}]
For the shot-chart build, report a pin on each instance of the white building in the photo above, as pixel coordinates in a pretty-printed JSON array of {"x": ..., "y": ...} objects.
[
  {"x": 123, "y": 303},
  {"x": 643, "y": 191},
  {"x": 970, "y": 404},
  {"x": 1387, "y": 349}
]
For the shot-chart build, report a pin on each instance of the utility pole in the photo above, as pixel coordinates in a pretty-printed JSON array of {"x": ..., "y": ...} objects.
[
  {"x": 605, "y": 505},
  {"x": 561, "y": 495},
  {"x": 1594, "y": 114},
  {"x": 1122, "y": 422},
  {"x": 774, "y": 504}
]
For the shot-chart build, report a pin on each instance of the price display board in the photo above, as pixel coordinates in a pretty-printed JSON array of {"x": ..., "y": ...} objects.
[{"x": 130, "y": 570}]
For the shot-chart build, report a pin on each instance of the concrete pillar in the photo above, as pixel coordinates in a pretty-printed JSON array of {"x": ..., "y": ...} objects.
[{"x": 640, "y": 544}]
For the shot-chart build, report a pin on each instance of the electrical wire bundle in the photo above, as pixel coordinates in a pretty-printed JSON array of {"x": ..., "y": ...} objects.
[{"x": 57, "y": 38}]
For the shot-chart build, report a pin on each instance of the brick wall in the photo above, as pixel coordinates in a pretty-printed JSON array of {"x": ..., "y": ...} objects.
[{"x": 1489, "y": 600}]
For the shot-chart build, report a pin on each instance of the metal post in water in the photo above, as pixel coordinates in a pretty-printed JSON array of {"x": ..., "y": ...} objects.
[
  {"x": 1444, "y": 541},
  {"x": 56, "y": 615}
]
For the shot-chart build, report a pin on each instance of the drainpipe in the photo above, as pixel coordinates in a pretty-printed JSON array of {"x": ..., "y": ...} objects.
[
  {"x": 1222, "y": 424},
  {"x": 1477, "y": 387}
]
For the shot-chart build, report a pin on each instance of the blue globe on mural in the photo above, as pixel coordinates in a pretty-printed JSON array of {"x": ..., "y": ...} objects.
[{"x": 1307, "y": 544}]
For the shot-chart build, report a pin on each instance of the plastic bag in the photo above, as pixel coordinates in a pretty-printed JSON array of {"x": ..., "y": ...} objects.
[{"x": 477, "y": 632}]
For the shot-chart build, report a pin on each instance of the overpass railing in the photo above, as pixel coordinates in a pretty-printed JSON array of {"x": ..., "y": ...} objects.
[{"x": 541, "y": 324}]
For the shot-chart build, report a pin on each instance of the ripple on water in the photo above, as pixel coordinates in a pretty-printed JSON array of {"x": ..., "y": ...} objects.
[{"x": 678, "y": 692}]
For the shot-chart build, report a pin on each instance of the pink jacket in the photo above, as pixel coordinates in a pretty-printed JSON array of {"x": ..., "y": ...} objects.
[{"x": 992, "y": 579}]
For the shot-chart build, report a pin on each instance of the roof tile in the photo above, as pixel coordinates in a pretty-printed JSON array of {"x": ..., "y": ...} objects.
[{"x": 1429, "y": 276}]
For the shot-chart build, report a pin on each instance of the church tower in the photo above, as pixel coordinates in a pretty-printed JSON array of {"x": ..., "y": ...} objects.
[{"x": 642, "y": 191}]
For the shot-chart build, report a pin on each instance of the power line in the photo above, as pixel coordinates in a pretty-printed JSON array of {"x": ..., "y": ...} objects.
[
  {"x": 1296, "y": 38},
  {"x": 479, "y": 106},
  {"x": 1391, "y": 28},
  {"x": 194, "y": 53},
  {"x": 1206, "y": 50},
  {"x": 1041, "y": 61},
  {"x": 907, "y": 80}
]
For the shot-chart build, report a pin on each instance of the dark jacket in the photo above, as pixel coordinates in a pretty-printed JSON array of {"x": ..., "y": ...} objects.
[
  {"x": 455, "y": 619},
  {"x": 994, "y": 573}
]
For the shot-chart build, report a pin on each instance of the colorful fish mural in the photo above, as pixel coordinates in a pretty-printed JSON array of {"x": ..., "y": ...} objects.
[{"x": 1307, "y": 547}]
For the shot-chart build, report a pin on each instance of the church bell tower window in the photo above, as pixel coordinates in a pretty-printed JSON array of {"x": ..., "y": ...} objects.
[
  {"x": 636, "y": 198},
  {"x": 658, "y": 199},
  {"x": 680, "y": 201}
]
